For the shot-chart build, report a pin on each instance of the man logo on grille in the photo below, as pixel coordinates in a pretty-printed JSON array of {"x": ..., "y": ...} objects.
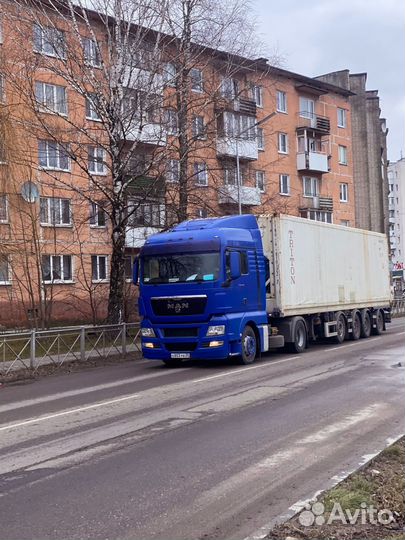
[{"x": 177, "y": 308}]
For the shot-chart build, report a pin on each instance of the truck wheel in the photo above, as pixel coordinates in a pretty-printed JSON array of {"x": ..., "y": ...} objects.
[
  {"x": 356, "y": 326},
  {"x": 365, "y": 325},
  {"x": 249, "y": 346},
  {"x": 300, "y": 338},
  {"x": 340, "y": 329},
  {"x": 379, "y": 323}
]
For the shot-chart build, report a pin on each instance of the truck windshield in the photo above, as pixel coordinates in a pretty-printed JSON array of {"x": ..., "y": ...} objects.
[{"x": 195, "y": 267}]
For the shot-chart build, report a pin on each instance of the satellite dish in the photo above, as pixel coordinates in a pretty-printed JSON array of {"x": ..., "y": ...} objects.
[{"x": 29, "y": 192}]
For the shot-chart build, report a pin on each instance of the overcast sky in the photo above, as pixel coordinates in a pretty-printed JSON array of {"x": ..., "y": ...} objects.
[{"x": 320, "y": 36}]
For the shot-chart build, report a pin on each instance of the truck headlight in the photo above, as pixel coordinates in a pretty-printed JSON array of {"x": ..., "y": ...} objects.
[
  {"x": 218, "y": 330},
  {"x": 148, "y": 332}
]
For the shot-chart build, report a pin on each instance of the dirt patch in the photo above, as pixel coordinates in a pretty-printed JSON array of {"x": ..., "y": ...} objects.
[
  {"x": 25, "y": 375},
  {"x": 369, "y": 504}
]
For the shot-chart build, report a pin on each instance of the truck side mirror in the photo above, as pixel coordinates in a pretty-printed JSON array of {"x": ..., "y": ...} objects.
[
  {"x": 135, "y": 271},
  {"x": 235, "y": 264}
]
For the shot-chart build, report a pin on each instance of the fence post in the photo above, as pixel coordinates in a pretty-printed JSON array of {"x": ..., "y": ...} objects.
[
  {"x": 124, "y": 338},
  {"x": 82, "y": 344},
  {"x": 32, "y": 349}
]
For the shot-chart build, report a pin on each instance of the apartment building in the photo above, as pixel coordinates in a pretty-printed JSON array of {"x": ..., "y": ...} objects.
[
  {"x": 287, "y": 137},
  {"x": 369, "y": 144},
  {"x": 396, "y": 205}
]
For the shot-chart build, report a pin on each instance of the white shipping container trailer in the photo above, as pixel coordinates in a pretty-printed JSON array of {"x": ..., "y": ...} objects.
[{"x": 332, "y": 278}]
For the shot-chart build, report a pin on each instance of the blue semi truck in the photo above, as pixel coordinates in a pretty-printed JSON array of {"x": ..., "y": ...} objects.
[{"x": 238, "y": 286}]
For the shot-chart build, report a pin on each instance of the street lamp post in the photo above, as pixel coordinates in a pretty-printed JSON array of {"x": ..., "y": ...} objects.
[{"x": 238, "y": 136}]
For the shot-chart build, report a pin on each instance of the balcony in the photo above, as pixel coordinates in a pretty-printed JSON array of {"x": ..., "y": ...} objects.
[
  {"x": 312, "y": 161},
  {"x": 316, "y": 203},
  {"x": 321, "y": 124},
  {"x": 247, "y": 148},
  {"x": 236, "y": 104},
  {"x": 141, "y": 79},
  {"x": 136, "y": 236},
  {"x": 250, "y": 196},
  {"x": 152, "y": 133}
]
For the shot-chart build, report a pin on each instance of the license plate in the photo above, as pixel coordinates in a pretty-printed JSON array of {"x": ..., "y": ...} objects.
[{"x": 180, "y": 355}]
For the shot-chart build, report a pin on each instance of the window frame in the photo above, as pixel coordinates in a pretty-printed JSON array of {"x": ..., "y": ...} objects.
[
  {"x": 97, "y": 210},
  {"x": 2, "y": 88},
  {"x": 342, "y": 124},
  {"x": 263, "y": 174},
  {"x": 261, "y": 145},
  {"x": 96, "y": 259},
  {"x": 39, "y": 31},
  {"x": 4, "y": 198},
  {"x": 199, "y": 168},
  {"x": 198, "y": 127},
  {"x": 6, "y": 259},
  {"x": 62, "y": 280},
  {"x": 89, "y": 108},
  {"x": 278, "y": 108},
  {"x": 314, "y": 182},
  {"x": 283, "y": 176},
  {"x": 50, "y": 212},
  {"x": 172, "y": 122},
  {"x": 258, "y": 95},
  {"x": 344, "y": 192},
  {"x": 306, "y": 113},
  {"x": 58, "y": 148},
  {"x": 96, "y": 160},
  {"x": 197, "y": 85},
  {"x": 43, "y": 105},
  {"x": 90, "y": 45},
  {"x": 281, "y": 135},
  {"x": 342, "y": 153},
  {"x": 173, "y": 163}
]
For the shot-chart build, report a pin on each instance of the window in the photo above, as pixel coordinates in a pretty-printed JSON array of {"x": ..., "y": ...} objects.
[
  {"x": 284, "y": 184},
  {"x": 283, "y": 143},
  {"x": 307, "y": 107},
  {"x": 49, "y": 41},
  {"x": 341, "y": 117},
  {"x": 281, "y": 101},
  {"x": 96, "y": 160},
  {"x": 342, "y": 155},
  {"x": 145, "y": 214},
  {"x": 169, "y": 74},
  {"x": 201, "y": 174},
  {"x": 243, "y": 261},
  {"x": 2, "y": 89},
  {"x": 53, "y": 155},
  {"x": 97, "y": 215},
  {"x": 229, "y": 88},
  {"x": 98, "y": 267},
  {"x": 196, "y": 78},
  {"x": 202, "y": 213},
  {"x": 260, "y": 180},
  {"x": 198, "y": 127},
  {"x": 4, "y": 270},
  {"x": 56, "y": 268},
  {"x": 3, "y": 209},
  {"x": 55, "y": 211},
  {"x": 51, "y": 97},
  {"x": 173, "y": 173},
  {"x": 311, "y": 186},
  {"x": 1, "y": 31},
  {"x": 172, "y": 122},
  {"x": 92, "y": 108},
  {"x": 91, "y": 52},
  {"x": 260, "y": 138},
  {"x": 318, "y": 215},
  {"x": 345, "y": 222},
  {"x": 231, "y": 176},
  {"x": 258, "y": 95},
  {"x": 344, "y": 193},
  {"x": 3, "y": 156}
]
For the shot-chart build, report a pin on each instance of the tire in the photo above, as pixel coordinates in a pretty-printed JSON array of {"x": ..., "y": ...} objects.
[
  {"x": 249, "y": 346},
  {"x": 356, "y": 326},
  {"x": 379, "y": 328},
  {"x": 341, "y": 329},
  {"x": 300, "y": 338},
  {"x": 365, "y": 325}
]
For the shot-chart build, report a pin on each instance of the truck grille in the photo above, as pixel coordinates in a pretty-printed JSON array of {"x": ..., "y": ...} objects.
[
  {"x": 180, "y": 332},
  {"x": 177, "y": 306},
  {"x": 181, "y": 347}
]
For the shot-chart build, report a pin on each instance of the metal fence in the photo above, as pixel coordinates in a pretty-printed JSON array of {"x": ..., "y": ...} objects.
[
  {"x": 398, "y": 307},
  {"x": 36, "y": 348}
]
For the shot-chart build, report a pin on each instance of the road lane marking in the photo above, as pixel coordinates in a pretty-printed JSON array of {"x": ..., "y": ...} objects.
[
  {"x": 86, "y": 390},
  {"x": 69, "y": 411}
]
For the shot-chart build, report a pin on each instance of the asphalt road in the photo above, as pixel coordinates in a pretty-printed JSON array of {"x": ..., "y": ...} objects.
[{"x": 136, "y": 451}]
